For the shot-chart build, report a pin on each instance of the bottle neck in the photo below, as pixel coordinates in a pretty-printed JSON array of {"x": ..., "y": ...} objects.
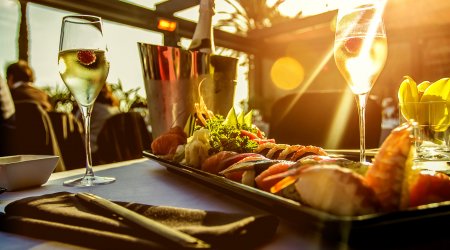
[{"x": 203, "y": 39}]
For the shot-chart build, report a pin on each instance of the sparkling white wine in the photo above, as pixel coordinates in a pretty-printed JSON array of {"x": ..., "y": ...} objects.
[
  {"x": 84, "y": 72},
  {"x": 360, "y": 51},
  {"x": 360, "y": 61},
  {"x": 203, "y": 38}
]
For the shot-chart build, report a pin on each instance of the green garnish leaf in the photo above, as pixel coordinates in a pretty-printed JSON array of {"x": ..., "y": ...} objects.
[
  {"x": 248, "y": 118},
  {"x": 240, "y": 119},
  {"x": 231, "y": 119},
  {"x": 189, "y": 128},
  {"x": 226, "y": 137}
]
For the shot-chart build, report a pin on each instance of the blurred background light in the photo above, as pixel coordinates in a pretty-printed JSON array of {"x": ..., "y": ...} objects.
[{"x": 287, "y": 73}]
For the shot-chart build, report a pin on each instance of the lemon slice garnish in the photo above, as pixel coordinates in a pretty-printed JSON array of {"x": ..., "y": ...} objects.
[
  {"x": 435, "y": 105},
  {"x": 408, "y": 93}
]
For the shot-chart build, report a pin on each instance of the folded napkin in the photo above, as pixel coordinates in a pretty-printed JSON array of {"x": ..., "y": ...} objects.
[{"x": 64, "y": 217}]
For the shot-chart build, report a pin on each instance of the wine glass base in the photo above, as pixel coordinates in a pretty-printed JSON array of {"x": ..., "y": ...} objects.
[
  {"x": 366, "y": 163},
  {"x": 89, "y": 181}
]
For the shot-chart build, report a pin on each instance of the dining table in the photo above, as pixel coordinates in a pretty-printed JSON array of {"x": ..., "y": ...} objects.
[{"x": 147, "y": 181}]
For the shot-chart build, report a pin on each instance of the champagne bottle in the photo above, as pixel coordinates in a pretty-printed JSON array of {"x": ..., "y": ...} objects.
[{"x": 203, "y": 39}]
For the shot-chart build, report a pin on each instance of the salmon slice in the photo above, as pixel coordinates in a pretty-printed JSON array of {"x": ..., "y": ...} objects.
[{"x": 277, "y": 168}]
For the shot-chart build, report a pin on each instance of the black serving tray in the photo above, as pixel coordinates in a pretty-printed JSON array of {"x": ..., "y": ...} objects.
[{"x": 421, "y": 222}]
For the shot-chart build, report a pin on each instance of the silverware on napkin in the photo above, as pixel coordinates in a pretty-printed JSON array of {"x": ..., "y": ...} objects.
[{"x": 178, "y": 238}]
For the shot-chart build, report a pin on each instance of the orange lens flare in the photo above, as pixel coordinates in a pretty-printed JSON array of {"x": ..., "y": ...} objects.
[{"x": 287, "y": 73}]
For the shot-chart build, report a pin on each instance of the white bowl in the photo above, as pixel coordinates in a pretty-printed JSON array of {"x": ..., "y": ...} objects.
[{"x": 24, "y": 171}]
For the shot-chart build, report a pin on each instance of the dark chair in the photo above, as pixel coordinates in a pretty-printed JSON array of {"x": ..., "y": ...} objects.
[
  {"x": 123, "y": 137},
  {"x": 69, "y": 133},
  {"x": 34, "y": 133},
  {"x": 6, "y": 138},
  {"x": 324, "y": 119}
]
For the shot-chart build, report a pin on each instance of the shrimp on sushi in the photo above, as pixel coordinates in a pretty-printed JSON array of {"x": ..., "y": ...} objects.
[
  {"x": 288, "y": 152},
  {"x": 307, "y": 150},
  {"x": 275, "y": 151},
  {"x": 342, "y": 191},
  {"x": 264, "y": 148},
  {"x": 391, "y": 169}
]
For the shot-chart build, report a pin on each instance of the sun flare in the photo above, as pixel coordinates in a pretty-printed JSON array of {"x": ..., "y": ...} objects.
[{"x": 287, "y": 73}]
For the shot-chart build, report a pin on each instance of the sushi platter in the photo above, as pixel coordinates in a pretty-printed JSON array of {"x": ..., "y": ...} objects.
[
  {"x": 420, "y": 221},
  {"x": 327, "y": 192}
]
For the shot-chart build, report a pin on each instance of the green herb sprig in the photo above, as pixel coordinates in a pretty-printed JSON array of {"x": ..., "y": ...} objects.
[{"x": 224, "y": 137}]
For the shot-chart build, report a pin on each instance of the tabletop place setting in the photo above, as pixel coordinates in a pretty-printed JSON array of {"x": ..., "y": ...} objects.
[{"x": 212, "y": 178}]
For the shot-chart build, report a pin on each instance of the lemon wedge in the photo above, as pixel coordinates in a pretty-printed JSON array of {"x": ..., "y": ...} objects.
[
  {"x": 437, "y": 91},
  {"x": 422, "y": 87},
  {"x": 435, "y": 104},
  {"x": 408, "y": 93}
]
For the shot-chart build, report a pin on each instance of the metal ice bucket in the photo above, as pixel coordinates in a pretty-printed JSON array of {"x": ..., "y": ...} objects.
[{"x": 172, "y": 77}]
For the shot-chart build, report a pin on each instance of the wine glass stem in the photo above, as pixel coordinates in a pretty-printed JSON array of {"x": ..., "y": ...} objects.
[
  {"x": 361, "y": 101},
  {"x": 86, "y": 111}
]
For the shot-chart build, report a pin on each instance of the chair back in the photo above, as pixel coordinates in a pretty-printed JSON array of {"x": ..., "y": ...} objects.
[
  {"x": 69, "y": 133},
  {"x": 328, "y": 119},
  {"x": 7, "y": 132},
  {"x": 123, "y": 137},
  {"x": 34, "y": 132}
]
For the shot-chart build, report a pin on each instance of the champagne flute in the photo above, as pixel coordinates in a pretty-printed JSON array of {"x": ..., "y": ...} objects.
[
  {"x": 84, "y": 66},
  {"x": 360, "y": 51}
]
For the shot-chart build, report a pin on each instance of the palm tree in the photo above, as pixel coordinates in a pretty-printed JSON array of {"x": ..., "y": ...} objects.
[
  {"x": 23, "y": 31},
  {"x": 252, "y": 14}
]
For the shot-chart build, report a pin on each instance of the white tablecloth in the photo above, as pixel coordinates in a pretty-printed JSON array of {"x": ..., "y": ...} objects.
[{"x": 146, "y": 181}]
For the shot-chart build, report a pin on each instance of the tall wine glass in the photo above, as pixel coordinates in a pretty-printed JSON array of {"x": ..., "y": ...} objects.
[
  {"x": 84, "y": 66},
  {"x": 360, "y": 51}
]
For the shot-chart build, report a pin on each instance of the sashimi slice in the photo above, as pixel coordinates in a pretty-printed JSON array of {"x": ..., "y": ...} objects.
[{"x": 277, "y": 168}]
